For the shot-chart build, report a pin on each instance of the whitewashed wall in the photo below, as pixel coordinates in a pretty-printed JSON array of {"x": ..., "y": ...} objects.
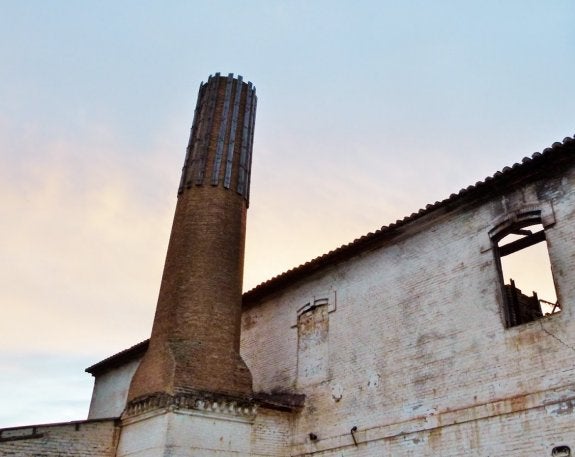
[
  {"x": 97, "y": 438},
  {"x": 407, "y": 343},
  {"x": 111, "y": 391},
  {"x": 418, "y": 356}
]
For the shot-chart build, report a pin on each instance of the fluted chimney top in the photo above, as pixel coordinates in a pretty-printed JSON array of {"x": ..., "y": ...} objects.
[
  {"x": 233, "y": 103},
  {"x": 195, "y": 341}
]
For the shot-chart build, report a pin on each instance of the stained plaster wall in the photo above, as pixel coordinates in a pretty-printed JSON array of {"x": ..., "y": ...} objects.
[
  {"x": 416, "y": 354},
  {"x": 407, "y": 343},
  {"x": 80, "y": 439},
  {"x": 186, "y": 432},
  {"x": 111, "y": 391}
]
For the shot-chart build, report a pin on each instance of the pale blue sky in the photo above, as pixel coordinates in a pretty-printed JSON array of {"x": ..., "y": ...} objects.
[{"x": 368, "y": 110}]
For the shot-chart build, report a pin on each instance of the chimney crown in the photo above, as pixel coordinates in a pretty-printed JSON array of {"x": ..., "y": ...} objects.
[{"x": 219, "y": 151}]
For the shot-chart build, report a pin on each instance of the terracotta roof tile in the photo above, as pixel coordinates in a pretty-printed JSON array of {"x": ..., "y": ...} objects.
[
  {"x": 566, "y": 149},
  {"x": 119, "y": 358},
  {"x": 349, "y": 250}
]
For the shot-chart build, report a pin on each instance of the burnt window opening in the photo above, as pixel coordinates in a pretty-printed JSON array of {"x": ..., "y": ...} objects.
[{"x": 528, "y": 287}]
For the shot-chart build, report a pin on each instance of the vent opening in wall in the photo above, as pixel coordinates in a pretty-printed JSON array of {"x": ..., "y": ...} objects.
[
  {"x": 561, "y": 451},
  {"x": 528, "y": 286}
]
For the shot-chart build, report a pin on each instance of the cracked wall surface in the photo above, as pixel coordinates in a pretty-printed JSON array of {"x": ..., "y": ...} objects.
[
  {"x": 419, "y": 358},
  {"x": 95, "y": 438},
  {"x": 403, "y": 348}
]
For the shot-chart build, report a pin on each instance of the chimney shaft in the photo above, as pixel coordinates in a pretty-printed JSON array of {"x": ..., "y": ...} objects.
[{"x": 195, "y": 339}]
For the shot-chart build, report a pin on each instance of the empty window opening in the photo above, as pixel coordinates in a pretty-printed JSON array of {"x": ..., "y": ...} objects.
[{"x": 529, "y": 291}]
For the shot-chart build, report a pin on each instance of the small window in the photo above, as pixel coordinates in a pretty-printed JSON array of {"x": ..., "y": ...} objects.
[{"x": 528, "y": 287}]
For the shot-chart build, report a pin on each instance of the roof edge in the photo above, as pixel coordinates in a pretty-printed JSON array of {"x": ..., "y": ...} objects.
[
  {"x": 120, "y": 358},
  {"x": 63, "y": 424},
  {"x": 494, "y": 183}
]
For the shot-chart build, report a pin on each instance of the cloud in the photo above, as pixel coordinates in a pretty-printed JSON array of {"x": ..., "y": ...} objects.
[
  {"x": 83, "y": 240},
  {"x": 44, "y": 387}
]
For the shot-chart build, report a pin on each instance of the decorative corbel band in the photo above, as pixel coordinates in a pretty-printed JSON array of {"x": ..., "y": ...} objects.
[{"x": 200, "y": 401}]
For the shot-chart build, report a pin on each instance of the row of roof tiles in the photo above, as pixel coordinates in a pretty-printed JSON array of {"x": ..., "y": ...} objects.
[
  {"x": 350, "y": 249},
  {"x": 565, "y": 149}
]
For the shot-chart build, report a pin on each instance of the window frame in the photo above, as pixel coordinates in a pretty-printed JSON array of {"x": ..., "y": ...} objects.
[{"x": 511, "y": 223}]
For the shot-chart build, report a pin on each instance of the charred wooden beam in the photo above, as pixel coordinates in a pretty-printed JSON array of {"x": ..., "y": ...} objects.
[{"x": 522, "y": 243}]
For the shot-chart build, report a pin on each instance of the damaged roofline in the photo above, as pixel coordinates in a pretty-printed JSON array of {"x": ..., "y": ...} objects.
[{"x": 491, "y": 186}]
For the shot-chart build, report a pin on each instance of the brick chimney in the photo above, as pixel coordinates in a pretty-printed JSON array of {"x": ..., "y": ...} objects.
[{"x": 195, "y": 340}]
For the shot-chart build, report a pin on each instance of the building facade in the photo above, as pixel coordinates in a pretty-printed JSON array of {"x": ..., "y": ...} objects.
[{"x": 409, "y": 341}]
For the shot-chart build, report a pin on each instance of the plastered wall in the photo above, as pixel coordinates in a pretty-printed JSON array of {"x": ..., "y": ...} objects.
[
  {"x": 206, "y": 433},
  {"x": 414, "y": 351},
  {"x": 79, "y": 439},
  {"x": 111, "y": 391},
  {"x": 406, "y": 344}
]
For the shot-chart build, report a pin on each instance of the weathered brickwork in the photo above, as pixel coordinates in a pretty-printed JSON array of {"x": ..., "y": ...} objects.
[
  {"x": 208, "y": 430},
  {"x": 403, "y": 348},
  {"x": 96, "y": 438},
  {"x": 398, "y": 344},
  {"x": 196, "y": 334},
  {"x": 271, "y": 432},
  {"x": 420, "y": 359}
]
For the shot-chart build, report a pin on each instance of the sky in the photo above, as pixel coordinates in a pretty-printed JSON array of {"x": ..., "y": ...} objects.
[{"x": 367, "y": 111}]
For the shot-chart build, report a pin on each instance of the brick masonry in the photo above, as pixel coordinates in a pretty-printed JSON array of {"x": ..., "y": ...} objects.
[
  {"x": 400, "y": 349},
  {"x": 97, "y": 438},
  {"x": 419, "y": 357},
  {"x": 407, "y": 342},
  {"x": 196, "y": 334}
]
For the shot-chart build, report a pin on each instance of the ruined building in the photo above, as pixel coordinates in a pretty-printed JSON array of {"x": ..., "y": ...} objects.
[{"x": 413, "y": 340}]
